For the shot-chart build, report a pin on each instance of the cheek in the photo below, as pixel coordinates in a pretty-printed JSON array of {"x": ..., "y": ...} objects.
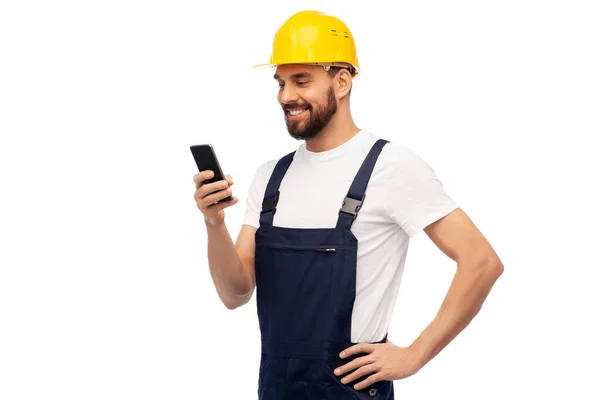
[{"x": 311, "y": 96}]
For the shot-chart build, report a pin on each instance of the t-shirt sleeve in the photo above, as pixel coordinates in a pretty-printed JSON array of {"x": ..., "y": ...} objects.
[
  {"x": 256, "y": 193},
  {"x": 417, "y": 197},
  {"x": 252, "y": 216}
]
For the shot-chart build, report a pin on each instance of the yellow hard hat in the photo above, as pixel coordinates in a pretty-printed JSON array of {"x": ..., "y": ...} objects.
[{"x": 312, "y": 37}]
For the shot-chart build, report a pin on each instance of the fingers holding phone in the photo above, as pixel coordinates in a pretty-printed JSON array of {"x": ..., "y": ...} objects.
[
  {"x": 209, "y": 196},
  {"x": 210, "y": 193},
  {"x": 201, "y": 178},
  {"x": 213, "y": 188}
]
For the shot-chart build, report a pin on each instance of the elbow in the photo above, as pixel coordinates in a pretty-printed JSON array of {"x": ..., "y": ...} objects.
[
  {"x": 237, "y": 302},
  {"x": 500, "y": 268},
  {"x": 494, "y": 267},
  {"x": 488, "y": 268},
  {"x": 238, "y": 296},
  {"x": 231, "y": 306},
  {"x": 483, "y": 266}
]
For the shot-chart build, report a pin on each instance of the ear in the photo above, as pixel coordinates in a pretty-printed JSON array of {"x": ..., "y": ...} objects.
[{"x": 343, "y": 83}]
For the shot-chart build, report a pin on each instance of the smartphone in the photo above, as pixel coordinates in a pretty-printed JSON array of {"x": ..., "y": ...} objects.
[{"x": 206, "y": 159}]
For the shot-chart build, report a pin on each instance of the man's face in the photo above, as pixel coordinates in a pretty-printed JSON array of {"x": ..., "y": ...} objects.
[{"x": 307, "y": 98}]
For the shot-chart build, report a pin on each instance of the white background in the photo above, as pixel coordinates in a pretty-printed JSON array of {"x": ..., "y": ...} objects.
[{"x": 104, "y": 284}]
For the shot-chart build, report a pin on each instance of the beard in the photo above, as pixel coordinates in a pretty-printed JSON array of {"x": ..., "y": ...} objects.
[{"x": 318, "y": 120}]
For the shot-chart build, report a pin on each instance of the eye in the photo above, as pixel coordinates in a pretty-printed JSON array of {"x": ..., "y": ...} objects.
[{"x": 300, "y": 83}]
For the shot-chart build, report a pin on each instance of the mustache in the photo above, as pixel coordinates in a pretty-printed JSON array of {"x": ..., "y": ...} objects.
[{"x": 291, "y": 106}]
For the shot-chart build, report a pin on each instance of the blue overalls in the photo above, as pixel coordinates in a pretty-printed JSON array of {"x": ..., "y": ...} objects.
[{"x": 305, "y": 290}]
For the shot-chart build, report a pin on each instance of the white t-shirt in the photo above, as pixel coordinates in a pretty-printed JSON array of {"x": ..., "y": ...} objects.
[{"x": 403, "y": 197}]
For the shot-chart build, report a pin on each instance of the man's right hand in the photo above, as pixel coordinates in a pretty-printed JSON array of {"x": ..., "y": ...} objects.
[{"x": 207, "y": 196}]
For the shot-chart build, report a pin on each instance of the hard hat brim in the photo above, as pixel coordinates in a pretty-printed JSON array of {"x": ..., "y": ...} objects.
[{"x": 263, "y": 66}]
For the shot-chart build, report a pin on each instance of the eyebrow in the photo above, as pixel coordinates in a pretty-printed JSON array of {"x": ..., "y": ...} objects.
[{"x": 299, "y": 75}]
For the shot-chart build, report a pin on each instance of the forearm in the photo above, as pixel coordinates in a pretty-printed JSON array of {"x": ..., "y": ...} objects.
[
  {"x": 231, "y": 280},
  {"x": 469, "y": 288}
]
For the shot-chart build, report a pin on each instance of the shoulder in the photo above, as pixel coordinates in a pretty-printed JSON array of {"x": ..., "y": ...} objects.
[
  {"x": 265, "y": 170},
  {"x": 267, "y": 167},
  {"x": 399, "y": 158},
  {"x": 400, "y": 155}
]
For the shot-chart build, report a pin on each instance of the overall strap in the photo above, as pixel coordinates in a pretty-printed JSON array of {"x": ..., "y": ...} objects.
[
  {"x": 356, "y": 194},
  {"x": 271, "y": 197}
]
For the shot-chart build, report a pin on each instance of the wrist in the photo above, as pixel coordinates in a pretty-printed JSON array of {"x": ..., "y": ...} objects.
[
  {"x": 421, "y": 353},
  {"x": 213, "y": 222}
]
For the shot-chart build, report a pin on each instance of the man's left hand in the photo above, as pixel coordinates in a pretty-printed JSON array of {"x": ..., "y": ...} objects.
[{"x": 384, "y": 361}]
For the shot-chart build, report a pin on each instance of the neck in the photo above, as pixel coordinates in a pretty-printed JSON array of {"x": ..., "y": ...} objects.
[{"x": 338, "y": 131}]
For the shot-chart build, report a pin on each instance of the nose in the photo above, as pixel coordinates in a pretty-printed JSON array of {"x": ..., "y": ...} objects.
[{"x": 288, "y": 94}]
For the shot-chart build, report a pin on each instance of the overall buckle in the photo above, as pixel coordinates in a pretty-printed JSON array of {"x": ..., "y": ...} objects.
[
  {"x": 270, "y": 204},
  {"x": 352, "y": 206}
]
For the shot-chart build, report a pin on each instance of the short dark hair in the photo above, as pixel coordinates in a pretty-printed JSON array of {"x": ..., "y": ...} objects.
[{"x": 333, "y": 70}]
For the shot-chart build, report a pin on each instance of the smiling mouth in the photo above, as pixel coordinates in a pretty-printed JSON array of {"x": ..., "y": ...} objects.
[{"x": 296, "y": 112}]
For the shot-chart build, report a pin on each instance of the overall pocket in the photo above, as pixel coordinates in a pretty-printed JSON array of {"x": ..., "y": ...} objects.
[
  {"x": 326, "y": 249},
  {"x": 294, "y": 290}
]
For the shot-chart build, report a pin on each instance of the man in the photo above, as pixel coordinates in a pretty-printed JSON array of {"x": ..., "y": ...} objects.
[{"x": 326, "y": 234}]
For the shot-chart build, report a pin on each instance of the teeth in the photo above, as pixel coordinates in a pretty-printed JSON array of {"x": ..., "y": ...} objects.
[{"x": 296, "y": 112}]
